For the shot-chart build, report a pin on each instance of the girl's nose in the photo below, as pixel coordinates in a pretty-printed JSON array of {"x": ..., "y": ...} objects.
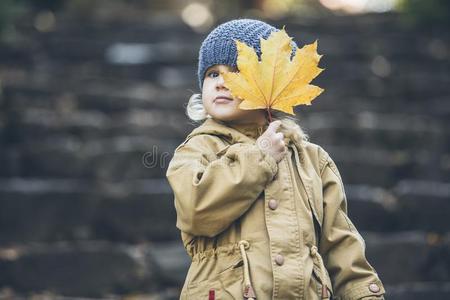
[{"x": 220, "y": 83}]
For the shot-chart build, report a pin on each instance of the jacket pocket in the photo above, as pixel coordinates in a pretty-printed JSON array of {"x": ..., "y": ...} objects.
[
  {"x": 315, "y": 199},
  {"x": 319, "y": 284},
  {"x": 202, "y": 290},
  {"x": 232, "y": 283},
  {"x": 227, "y": 284}
]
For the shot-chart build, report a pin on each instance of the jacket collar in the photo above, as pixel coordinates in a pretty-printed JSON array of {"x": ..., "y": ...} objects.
[
  {"x": 240, "y": 134},
  {"x": 234, "y": 133}
]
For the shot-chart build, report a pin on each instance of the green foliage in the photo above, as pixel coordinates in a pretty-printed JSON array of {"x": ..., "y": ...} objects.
[
  {"x": 9, "y": 11},
  {"x": 45, "y": 4},
  {"x": 426, "y": 11}
]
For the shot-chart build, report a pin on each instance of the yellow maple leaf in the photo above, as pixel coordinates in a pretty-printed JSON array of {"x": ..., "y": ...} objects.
[{"x": 277, "y": 81}]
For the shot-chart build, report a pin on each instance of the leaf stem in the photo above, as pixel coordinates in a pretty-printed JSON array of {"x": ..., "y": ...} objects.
[{"x": 269, "y": 114}]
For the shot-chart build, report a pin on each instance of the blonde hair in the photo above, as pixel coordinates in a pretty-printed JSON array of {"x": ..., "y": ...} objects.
[
  {"x": 195, "y": 109},
  {"x": 290, "y": 127}
]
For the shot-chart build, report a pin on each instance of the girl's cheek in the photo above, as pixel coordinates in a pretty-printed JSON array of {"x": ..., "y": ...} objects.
[{"x": 205, "y": 84}]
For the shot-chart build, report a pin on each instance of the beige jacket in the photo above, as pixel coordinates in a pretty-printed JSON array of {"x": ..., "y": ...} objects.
[{"x": 260, "y": 229}]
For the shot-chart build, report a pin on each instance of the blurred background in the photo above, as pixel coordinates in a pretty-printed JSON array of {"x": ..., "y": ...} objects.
[{"x": 92, "y": 97}]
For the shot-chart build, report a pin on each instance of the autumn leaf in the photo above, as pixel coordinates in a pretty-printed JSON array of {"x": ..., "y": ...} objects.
[{"x": 277, "y": 81}]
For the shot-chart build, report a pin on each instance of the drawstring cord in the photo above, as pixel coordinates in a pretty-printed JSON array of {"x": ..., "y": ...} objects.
[
  {"x": 249, "y": 293},
  {"x": 315, "y": 255}
]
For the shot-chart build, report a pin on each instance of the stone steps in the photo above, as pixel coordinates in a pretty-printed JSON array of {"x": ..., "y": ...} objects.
[
  {"x": 409, "y": 205},
  {"x": 117, "y": 158},
  {"x": 368, "y": 130},
  {"x": 335, "y": 31},
  {"x": 418, "y": 257},
  {"x": 86, "y": 149},
  {"x": 381, "y": 167},
  {"x": 122, "y": 158},
  {"x": 340, "y": 79},
  {"x": 100, "y": 268},
  {"x": 63, "y": 111},
  {"x": 52, "y": 210},
  {"x": 140, "y": 210},
  {"x": 407, "y": 291},
  {"x": 115, "y": 95},
  {"x": 344, "y": 51},
  {"x": 90, "y": 269},
  {"x": 419, "y": 291}
]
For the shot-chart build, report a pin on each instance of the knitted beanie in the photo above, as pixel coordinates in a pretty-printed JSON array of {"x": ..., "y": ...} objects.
[{"x": 219, "y": 47}]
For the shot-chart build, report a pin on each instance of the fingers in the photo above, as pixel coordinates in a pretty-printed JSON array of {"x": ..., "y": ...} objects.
[
  {"x": 279, "y": 135},
  {"x": 278, "y": 141},
  {"x": 272, "y": 142},
  {"x": 280, "y": 145},
  {"x": 274, "y": 126},
  {"x": 281, "y": 153}
]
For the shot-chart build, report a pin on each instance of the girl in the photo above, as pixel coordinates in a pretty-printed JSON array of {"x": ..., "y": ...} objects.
[{"x": 262, "y": 211}]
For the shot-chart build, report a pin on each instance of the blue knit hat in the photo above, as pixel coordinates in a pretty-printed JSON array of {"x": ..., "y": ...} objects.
[{"x": 219, "y": 47}]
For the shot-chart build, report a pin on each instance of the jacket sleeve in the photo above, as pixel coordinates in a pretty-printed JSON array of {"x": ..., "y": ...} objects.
[
  {"x": 214, "y": 189},
  {"x": 341, "y": 245}
]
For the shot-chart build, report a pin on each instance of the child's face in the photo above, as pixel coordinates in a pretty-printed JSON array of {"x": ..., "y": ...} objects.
[{"x": 219, "y": 103}]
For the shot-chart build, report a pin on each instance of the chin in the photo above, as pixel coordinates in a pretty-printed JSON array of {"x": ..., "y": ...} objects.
[
  {"x": 225, "y": 115},
  {"x": 224, "y": 118}
]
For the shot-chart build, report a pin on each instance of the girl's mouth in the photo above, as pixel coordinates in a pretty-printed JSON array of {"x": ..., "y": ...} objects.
[{"x": 222, "y": 99}]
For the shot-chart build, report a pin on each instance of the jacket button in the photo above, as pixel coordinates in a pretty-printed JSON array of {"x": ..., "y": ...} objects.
[
  {"x": 374, "y": 288},
  {"x": 279, "y": 259},
  {"x": 273, "y": 204}
]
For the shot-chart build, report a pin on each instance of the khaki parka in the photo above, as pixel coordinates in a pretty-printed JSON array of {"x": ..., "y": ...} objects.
[{"x": 255, "y": 228}]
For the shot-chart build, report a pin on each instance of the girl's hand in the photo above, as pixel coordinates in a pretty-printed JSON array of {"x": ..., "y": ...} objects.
[{"x": 271, "y": 142}]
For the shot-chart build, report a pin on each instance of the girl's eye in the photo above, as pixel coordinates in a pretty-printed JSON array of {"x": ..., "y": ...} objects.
[{"x": 213, "y": 74}]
